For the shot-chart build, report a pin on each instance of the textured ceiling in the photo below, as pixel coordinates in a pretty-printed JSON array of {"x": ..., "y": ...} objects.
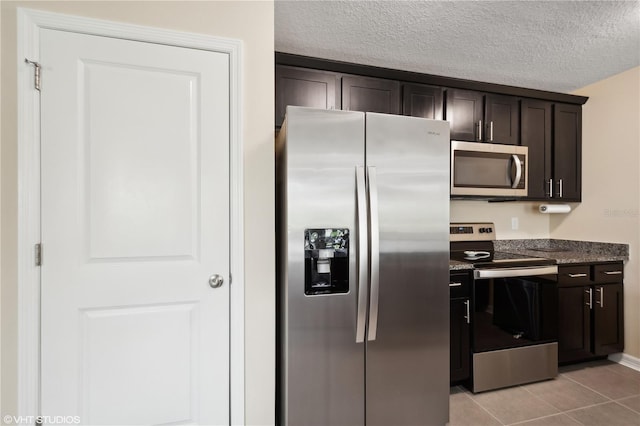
[{"x": 548, "y": 45}]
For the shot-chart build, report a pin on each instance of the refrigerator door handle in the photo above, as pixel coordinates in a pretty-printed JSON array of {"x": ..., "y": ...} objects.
[
  {"x": 374, "y": 244},
  {"x": 363, "y": 269}
]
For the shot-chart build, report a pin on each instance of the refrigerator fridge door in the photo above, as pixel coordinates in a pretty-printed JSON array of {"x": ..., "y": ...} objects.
[
  {"x": 321, "y": 365},
  {"x": 407, "y": 373}
]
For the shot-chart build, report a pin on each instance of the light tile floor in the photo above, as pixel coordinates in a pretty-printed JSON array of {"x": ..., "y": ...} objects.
[{"x": 599, "y": 393}]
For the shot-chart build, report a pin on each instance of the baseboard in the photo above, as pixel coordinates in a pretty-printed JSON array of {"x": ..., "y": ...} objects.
[{"x": 626, "y": 360}]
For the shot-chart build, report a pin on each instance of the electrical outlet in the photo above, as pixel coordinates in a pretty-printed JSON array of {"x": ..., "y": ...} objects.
[{"x": 514, "y": 223}]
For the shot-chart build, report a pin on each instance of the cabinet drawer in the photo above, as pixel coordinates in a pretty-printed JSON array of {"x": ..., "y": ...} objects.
[
  {"x": 459, "y": 285},
  {"x": 607, "y": 273},
  {"x": 570, "y": 275}
]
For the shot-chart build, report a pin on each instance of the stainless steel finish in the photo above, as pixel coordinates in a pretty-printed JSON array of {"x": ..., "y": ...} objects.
[
  {"x": 323, "y": 376},
  {"x": 509, "y": 367},
  {"x": 491, "y": 131},
  {"x": 455, "y": 284},
  {"x": 613, "y": 272},
  {"x": 495, "y": 149},
  {"x": 479, "y": 130},
  {"x": 374, "y": 240},
  {"x": 601, "y": 302},
  {"x": 407, "y": 376},
  {"x": 516, "y": 180},
  {"x": 322, "y": 368},
  {"x": 550, "y": 188},
  {"x": 476, "y": 235},
  {"x": 560, "y": 188},
  {"x": 468, "y": 316},
  {"x": 577, "y": 275},
  {"x": 216, "y": 281},
  {"x": 590, "y": 303},
  {"x": 528, "y": 271},
  {"x": 363, "y": 263}
]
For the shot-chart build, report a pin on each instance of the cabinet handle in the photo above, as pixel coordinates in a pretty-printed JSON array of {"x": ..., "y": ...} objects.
[
  {"x": 577, "y": 275},
  {"x": 601, "y": 303},
  {"x": 612, "y": 272},
  {"x": 550, "y": 188},
  {"x": 479, "y": 130},
  {"x": 467, "y": 317},
  {"x": 590, "y": 304},
  {"x": 560, "y": 188},
  {"x": 455, "y": 284},
  {"x": 491, "y": 131}
]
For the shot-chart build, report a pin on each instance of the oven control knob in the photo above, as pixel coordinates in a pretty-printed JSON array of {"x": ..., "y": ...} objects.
[
  {"x": 481, "y": 230},
  {"x": 489, "y": 230}
]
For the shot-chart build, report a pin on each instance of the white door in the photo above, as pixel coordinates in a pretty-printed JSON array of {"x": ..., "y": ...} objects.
[{"x": 135, "y": 221}]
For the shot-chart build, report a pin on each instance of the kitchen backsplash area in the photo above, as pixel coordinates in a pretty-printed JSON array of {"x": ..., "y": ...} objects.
[{"x": 524, "y": 216}]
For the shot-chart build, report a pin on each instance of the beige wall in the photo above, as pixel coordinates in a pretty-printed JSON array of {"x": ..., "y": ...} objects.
[
  {"x": 610, "y": 183},
  {"x": 251, "y": 22}
]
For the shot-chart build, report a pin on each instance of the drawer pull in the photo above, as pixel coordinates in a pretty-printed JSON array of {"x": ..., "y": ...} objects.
[
  {"x": 577, "y": 275},
  {"x": 455, "y": 284},
  {"x": 613, "y": 272}
]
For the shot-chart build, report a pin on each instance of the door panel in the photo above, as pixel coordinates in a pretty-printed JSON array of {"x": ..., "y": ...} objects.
[
  {"x": 322, "y": 364},
  {"x": 465, "y": 112},
  {"x": 134, "y": 222},
  {"x": 370, "y": 94},
  {"x": 608, "y": 319},
  {"x": 536, "y": 134},
  {"x": 408, "y": 362},
  {"x": 502, "y": 119}
]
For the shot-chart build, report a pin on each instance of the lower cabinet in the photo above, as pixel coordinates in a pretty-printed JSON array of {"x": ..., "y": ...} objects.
[
  {"x": 460, "y": 322},
  {"x": 590, "y": 317}
]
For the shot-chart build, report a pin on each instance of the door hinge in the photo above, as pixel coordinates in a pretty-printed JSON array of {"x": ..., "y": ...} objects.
[
  {"x": 37, "y": 67},
  {"x": 38, "y": 254}
]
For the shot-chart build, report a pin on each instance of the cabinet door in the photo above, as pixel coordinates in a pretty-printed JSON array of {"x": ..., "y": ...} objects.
[
  {"x": 460, "y": 345},
  {"x": 419, "y": 100},
  {"x": 608, "y": 324},
  {"x": 305, "y": 87},
  {"x": 464, "y": 111},
  {"x": 502, "y": 119},
  {"x": 370, "y": 94},
  {"x": 536, "y": 134},
  {"x": 574, "y": 324},
  {"x": 567, "y": 149}
]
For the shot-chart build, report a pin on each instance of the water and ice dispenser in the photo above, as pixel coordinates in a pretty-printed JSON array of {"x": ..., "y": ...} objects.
[{"x": 326, "y": 261}]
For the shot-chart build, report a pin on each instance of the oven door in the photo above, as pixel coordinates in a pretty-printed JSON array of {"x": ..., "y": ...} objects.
[
  {"x": 492, "y": 170},
  {"x": 514, "y": 307},
  {"x": 514, "y": 316}
]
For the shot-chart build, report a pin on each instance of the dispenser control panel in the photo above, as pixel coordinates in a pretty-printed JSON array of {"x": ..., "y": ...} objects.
[{"x": 326, "y": 261}]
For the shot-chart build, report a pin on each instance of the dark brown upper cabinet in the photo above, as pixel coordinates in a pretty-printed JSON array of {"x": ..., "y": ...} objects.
[
  {"x": 305, "y": 87},
  {"x": 464, "y": 112},
  {"x": 370, "y": 94},
  {"x": 479, "y": 117},
  {"x": 535, "y": 120},
  {"x": 567, "y": 152},
  {"x": 553, "y": 134},
  {"x": 419, "y": 100},
  {"x": 501, "y": 114}
]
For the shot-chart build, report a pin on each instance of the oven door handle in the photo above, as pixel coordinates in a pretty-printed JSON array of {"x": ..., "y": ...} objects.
[{"x": 515, "y": 272}]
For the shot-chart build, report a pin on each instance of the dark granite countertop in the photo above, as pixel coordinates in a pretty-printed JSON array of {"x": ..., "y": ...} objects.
[{"x": 562, "y": 251}]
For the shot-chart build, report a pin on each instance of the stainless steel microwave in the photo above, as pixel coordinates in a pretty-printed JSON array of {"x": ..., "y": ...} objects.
[{"x": 489, "y": 170}]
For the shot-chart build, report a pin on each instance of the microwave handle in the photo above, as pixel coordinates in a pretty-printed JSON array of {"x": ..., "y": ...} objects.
[{"x": 516, "y": 180}]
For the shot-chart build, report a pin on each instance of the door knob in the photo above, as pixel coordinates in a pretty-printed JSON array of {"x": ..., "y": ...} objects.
[{"x": 216, "y": 281}]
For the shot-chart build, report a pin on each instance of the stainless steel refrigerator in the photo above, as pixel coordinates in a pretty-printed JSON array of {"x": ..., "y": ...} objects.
[{"x": 363, "y": 269}]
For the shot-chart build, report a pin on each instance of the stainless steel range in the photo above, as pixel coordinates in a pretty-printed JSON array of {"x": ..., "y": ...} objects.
[{"x": 515, "y": 310}]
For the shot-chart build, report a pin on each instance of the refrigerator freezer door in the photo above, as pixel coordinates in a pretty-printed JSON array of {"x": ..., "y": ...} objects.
[
  {"x": 321, "y": 365},
  {"x": 407, "y": 376}
]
